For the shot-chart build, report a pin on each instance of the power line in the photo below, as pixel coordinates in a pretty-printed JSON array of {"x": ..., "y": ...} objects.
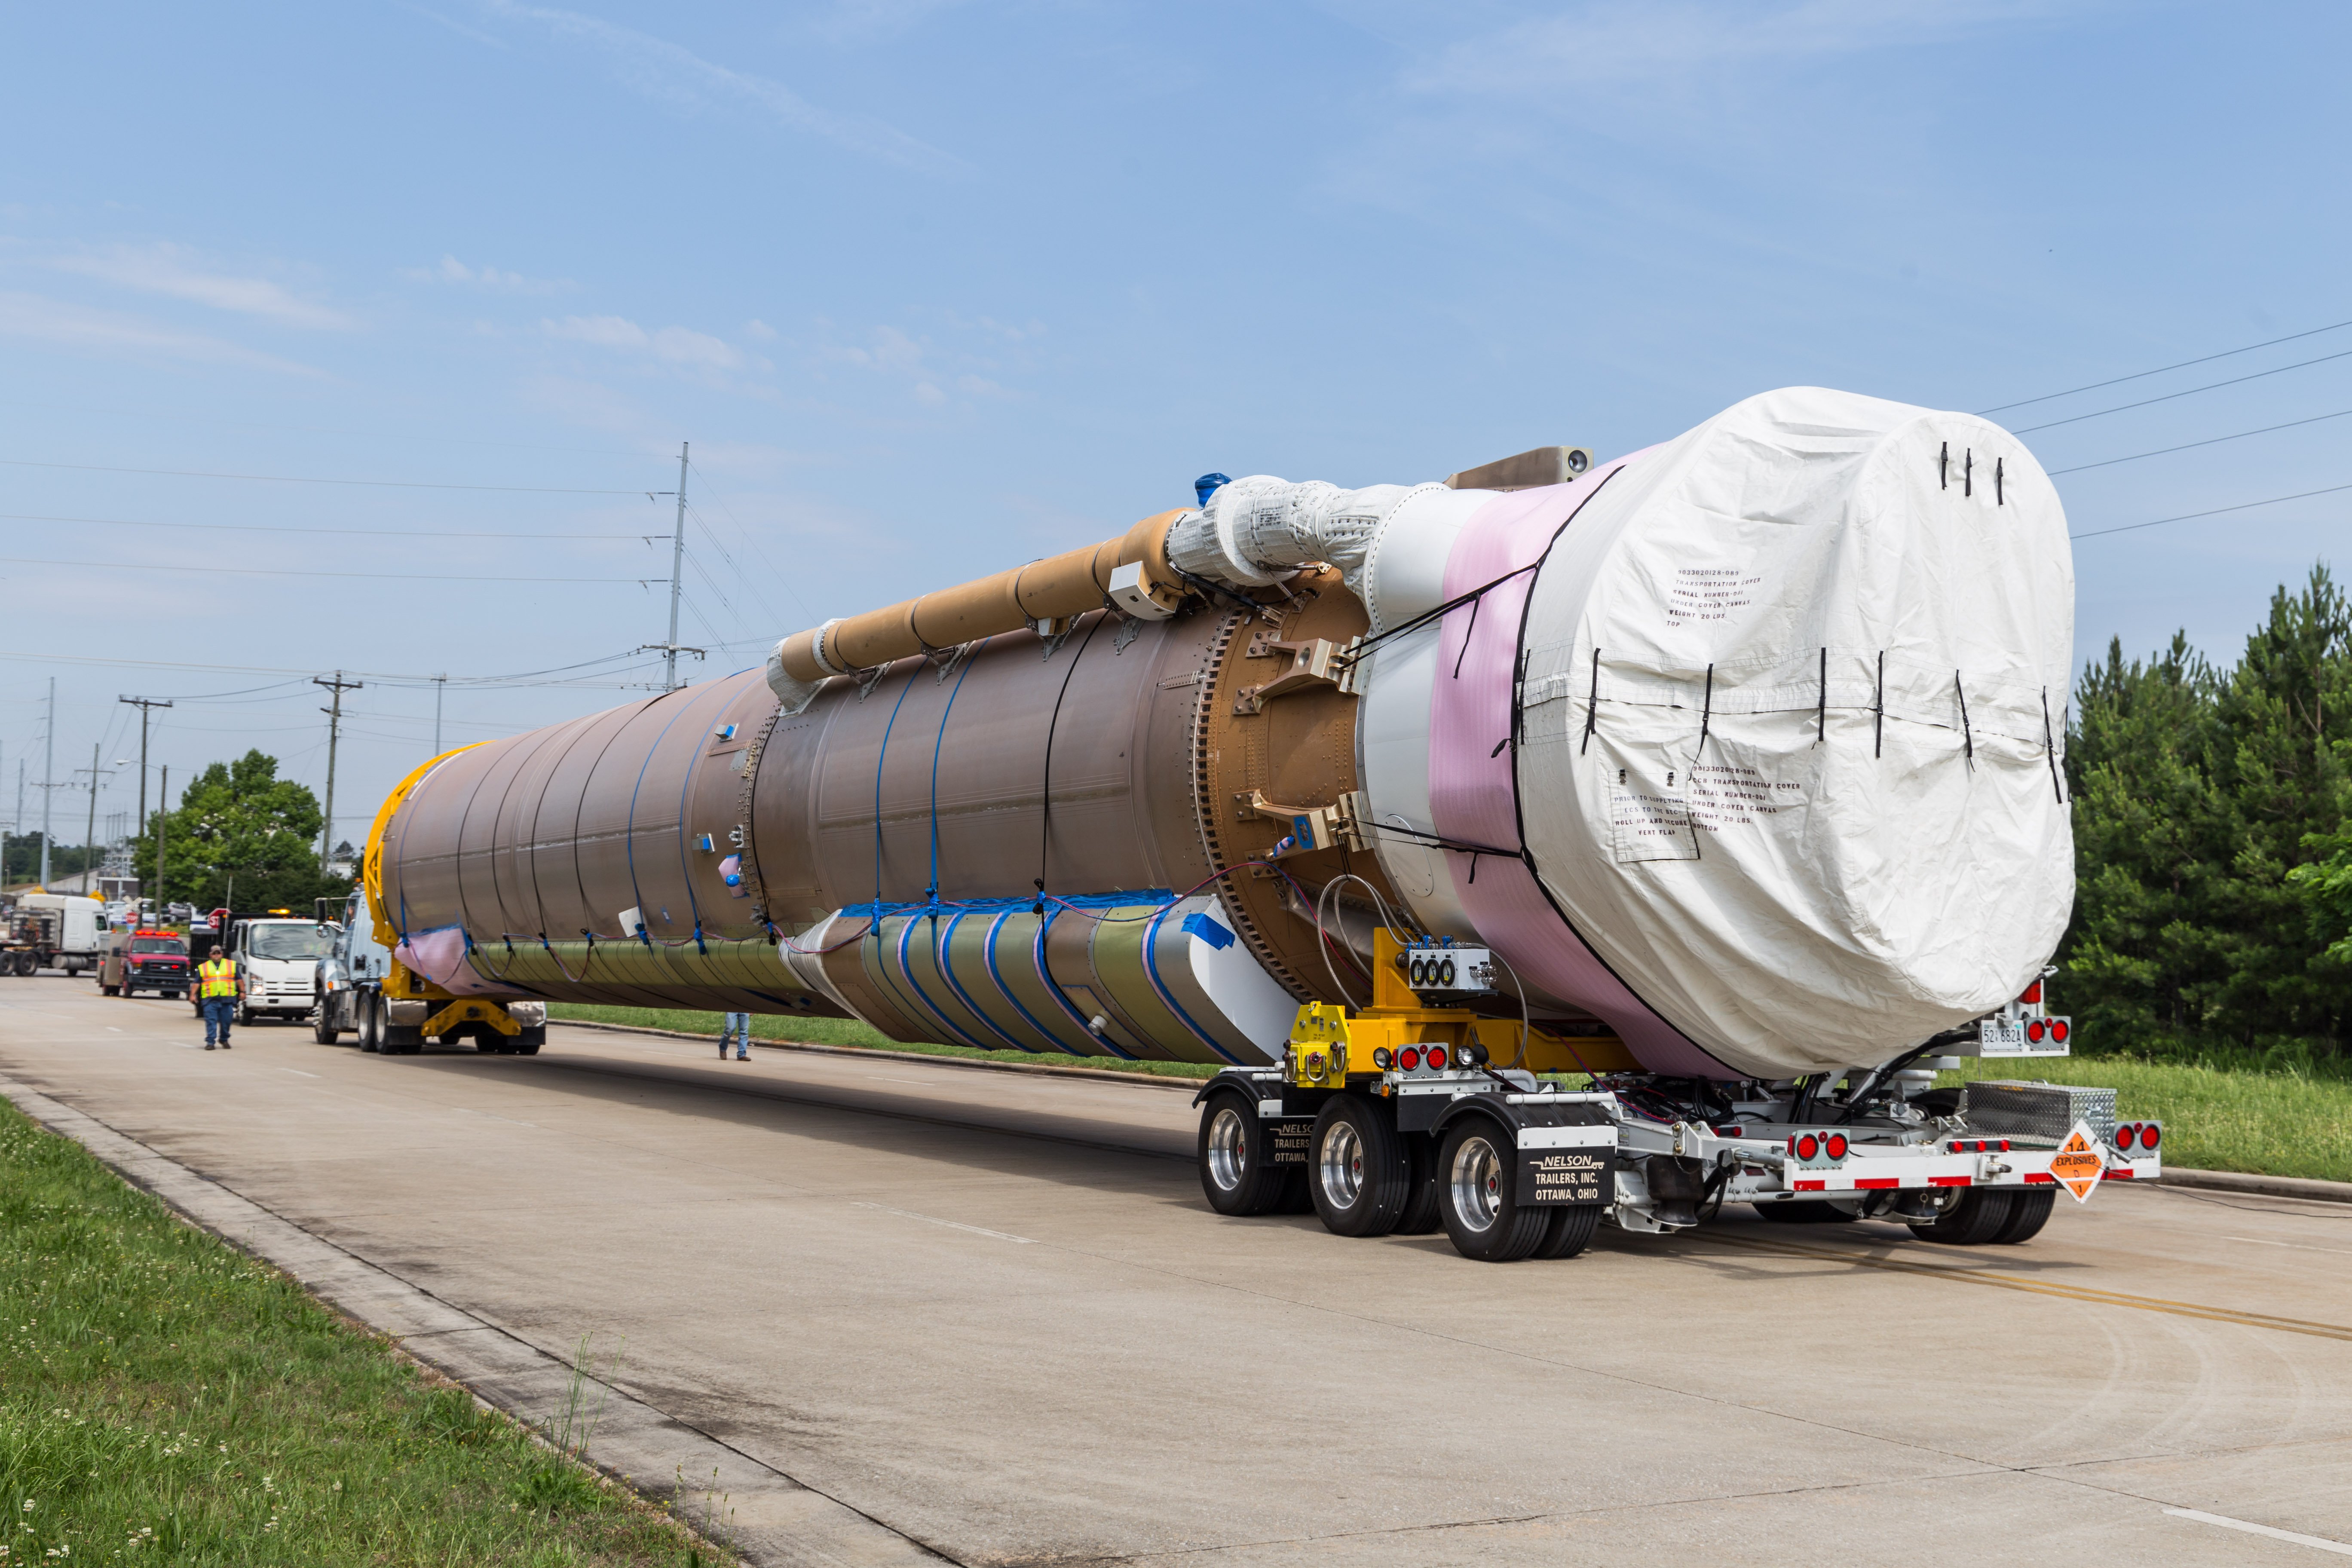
[
  {"x": 303, "y": 479},
  {"x": 757, "y": 548},
  {"x": 477, "y": 683},
  {"x": 280, "y": 572},
  {"x": 2209, "y": 387},
  {"x": 2184, "y": 364},
  {"x": 2217, "y": 512},
  {"x": 2186, "y": 446},
  {"x": 279, "y": 528}
]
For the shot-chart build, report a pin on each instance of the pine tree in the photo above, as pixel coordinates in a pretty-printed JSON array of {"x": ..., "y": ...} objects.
[{"x": 2198, "y": 796}]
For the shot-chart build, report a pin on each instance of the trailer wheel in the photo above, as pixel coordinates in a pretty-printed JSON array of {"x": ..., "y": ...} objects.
[
  {"x": 1974, "y": 1221},
  {"x": 1804, "y": 1210},
  {"x": 1422, "y": 1212},
  {"x": 527, "y": 1043},
  {"x": 1568, "y": 1231},
  {"x": 1476, "y": 1173},
  {"x": 2029, "y": 1212},
  {"x": 1238, "y": 1175},
  {"x": 1359, "y": 1172},
  {"x": 109, "y": 990}
]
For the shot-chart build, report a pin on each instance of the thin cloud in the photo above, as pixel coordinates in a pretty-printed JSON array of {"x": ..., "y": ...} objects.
[
  {"x": 671, "y": 346},
  {"x": 668, "y": 73},
  {"x": 1621, "y": 43},
  {"x": 39, "y": 320},
  {"x": 172, "y": 270},
  {"x": 451, "y": 271}
]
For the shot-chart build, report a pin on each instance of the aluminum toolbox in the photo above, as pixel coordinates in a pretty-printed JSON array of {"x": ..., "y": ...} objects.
[{"x": 2014, "y": 1108}]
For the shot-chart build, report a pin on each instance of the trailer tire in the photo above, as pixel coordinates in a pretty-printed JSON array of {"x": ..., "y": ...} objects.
[
  {"x": 527, "y": 1043},
  {"x": 109, "y": 990},
  {"x": 1477, "y": 1169},
  {"x": 1357, "y": 1168},
  {"x": 1804, "y": 1210},
  {"x": 1235, "y": 1158},
  {"x": 1421, "y": 1215},
  {"x": 2029, "y": 1212},
  {"x": 1974, "y": 1221},
  {"x": 1569, "y": 1231}
]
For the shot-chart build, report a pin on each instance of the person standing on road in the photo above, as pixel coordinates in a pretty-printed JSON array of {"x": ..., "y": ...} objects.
[
  {"x": 216, "y": 994},
  {"x": 739, "y": 1026}
]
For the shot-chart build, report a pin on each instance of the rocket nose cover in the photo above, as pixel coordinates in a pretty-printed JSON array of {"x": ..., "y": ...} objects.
[{"x": 1793, "y": 727}]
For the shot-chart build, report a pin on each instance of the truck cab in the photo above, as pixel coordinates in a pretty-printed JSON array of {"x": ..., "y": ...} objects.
[
  {"x": 55, "y": 930},
  {"x": 351, "y": 973},
  {"x": 278, "y": 964},
  {"x": 143, "y": 960}
]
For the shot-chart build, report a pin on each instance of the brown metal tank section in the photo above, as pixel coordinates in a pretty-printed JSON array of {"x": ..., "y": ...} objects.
[{"x": 1117, "y": 756}]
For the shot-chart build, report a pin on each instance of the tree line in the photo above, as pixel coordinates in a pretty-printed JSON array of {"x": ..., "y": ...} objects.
[{"x": 2214, "y": 856}]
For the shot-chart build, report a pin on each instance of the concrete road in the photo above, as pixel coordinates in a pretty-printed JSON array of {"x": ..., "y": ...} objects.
[{"x": 992, "y": 1312}]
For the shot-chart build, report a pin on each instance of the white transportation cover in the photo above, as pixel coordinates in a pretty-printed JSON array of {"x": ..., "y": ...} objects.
[{"x": 1794, "y": 752}]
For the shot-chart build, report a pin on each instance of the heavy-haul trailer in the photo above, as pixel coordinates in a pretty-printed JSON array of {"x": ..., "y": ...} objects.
[
  {"x": 1404, "y": 1117},
  {"x": 1727, "y": 774}
]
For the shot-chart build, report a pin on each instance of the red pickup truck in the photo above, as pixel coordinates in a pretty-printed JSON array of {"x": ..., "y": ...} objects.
[{"x": 140, "y": 961}]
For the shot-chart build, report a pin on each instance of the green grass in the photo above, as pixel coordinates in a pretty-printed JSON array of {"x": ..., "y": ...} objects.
[
  {"x": 166, "y": 1399},
  {"x": 2216, "y": 1116},
  {"x": 849, "y": 1032}
]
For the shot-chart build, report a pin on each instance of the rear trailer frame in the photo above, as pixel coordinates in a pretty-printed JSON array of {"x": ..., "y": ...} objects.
[{"x": 1393, "y": 1118}]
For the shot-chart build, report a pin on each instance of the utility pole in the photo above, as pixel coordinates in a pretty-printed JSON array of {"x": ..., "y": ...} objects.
[
  {"x": 334, "y": 731},
  {"x": 48, "y": 777},
  {"x": 670, "y": 651},
  {"x": 89, "y": 834},
  {"x": 145, "y": 705},
  {"x": 162, "y": 810},
  {"x": 440, "y": 686}
]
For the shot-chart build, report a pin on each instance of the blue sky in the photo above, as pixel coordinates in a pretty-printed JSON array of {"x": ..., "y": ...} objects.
[{"x": 936, "y": 287}]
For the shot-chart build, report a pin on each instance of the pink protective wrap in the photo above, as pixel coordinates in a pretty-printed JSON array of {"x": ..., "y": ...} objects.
[
  {"x": 440, "y": 956},
  {"x": 1471, "y": 791}
]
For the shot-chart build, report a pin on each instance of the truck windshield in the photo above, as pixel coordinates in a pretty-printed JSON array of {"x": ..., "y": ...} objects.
[
  {"x": 292, "y": 939},
  {"x": 157, "y": 944}
]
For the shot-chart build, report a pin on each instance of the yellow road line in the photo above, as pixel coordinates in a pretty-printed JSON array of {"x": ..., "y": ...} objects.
[{"x": 1967, "y": 1275}]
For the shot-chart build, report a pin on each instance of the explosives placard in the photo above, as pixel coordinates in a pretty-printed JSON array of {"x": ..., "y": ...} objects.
[{"x": 2078, "y": 1165}]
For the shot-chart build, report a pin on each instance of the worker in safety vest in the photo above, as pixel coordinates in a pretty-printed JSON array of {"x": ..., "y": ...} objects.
[{"x": 216, "y": 994}]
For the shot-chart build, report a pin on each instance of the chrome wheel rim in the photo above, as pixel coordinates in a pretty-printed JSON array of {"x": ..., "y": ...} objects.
[
  {"x": 1476, "y": 1180},
  {"x": 1341, "y": 1165},
  {"x": 1228, "y": 1150}
]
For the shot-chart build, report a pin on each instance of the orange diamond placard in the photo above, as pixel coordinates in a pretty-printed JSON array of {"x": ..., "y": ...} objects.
[{"x": 2078, "y": 1164}]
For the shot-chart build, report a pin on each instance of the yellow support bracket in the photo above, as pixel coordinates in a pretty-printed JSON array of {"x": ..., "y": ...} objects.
[{"x": 1328, "y": 1043}]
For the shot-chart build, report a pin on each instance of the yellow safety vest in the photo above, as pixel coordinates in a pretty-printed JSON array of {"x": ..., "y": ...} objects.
[{"x": 219, "y": 977}]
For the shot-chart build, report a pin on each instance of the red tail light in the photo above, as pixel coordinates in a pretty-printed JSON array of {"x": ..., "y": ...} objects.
[
  {"x": 1837, "y": 1145},
  {"x": 2033, "y": 997},
  {"x": 1409, "y": 1057},
  {"x": 1437, "y": 1058},
  {"x": 2150, "y": 1136},
  {"x": 2033, "y": 1029},
  {"x": 1808, "y": 1147},
  {"x": 2124, "y": 1135},
  {"x": 2058, "y": 1030}
]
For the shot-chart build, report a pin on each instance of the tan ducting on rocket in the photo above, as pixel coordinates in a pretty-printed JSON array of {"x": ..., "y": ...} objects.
[{"x": 1130, "y": 573}]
